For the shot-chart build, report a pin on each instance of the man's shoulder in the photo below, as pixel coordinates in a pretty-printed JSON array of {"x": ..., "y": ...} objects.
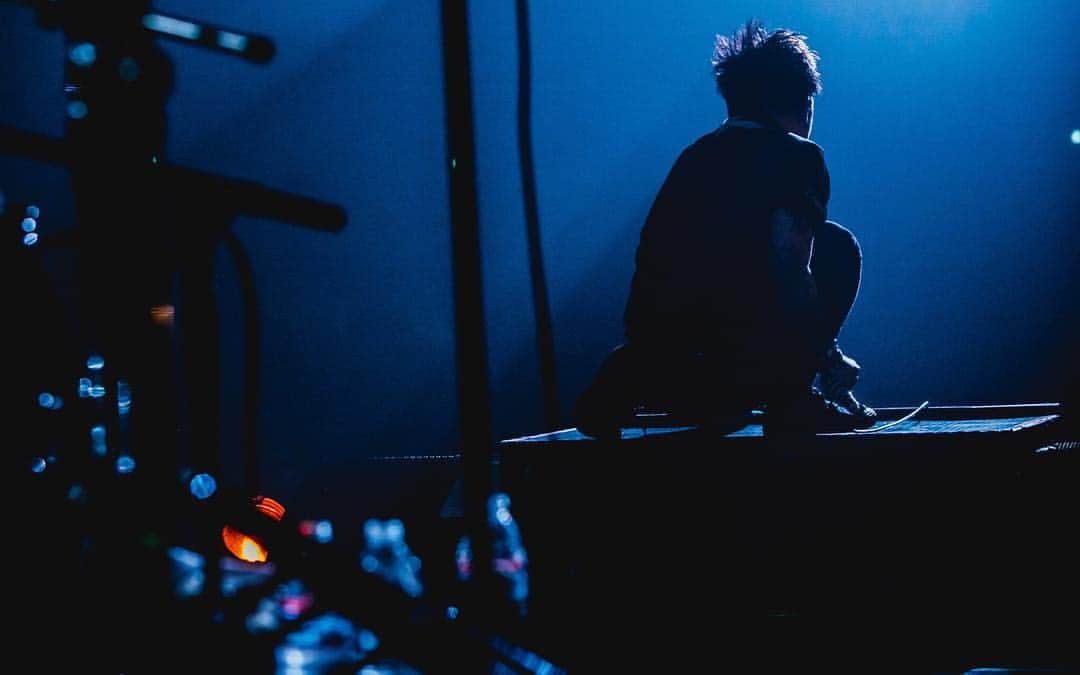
[
  {"x": 708, "y": 147},
  {"x": 789, "y": 145},
  {"x": 756, "y": 138},
  {"x": 703, "y": 151},
  {"x": 806, "y": 147},
  {"x": 702, "y": 144},
  {"x": 771, "y": 150},
  {"x": 792, "y": 150}
]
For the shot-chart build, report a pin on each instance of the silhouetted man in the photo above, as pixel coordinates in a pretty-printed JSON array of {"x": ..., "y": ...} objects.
[{"x": 741, "y": 284}]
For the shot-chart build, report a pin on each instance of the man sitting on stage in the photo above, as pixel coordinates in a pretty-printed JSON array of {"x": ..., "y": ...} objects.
[{"x": 741, "y": 284}]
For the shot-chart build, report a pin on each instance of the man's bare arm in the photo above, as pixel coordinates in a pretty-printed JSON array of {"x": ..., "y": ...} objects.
[{"x": 791, "y": 243}]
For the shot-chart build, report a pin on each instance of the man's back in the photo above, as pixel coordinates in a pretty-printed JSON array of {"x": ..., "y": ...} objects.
[{"x": 702, "y": 280}]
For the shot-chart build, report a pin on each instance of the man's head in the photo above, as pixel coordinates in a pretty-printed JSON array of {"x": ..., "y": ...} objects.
[{"x": 768, "y": 75}]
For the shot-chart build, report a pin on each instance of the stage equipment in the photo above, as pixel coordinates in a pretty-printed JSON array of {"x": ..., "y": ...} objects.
[
  {"x": 942, "y": 539},
  {"x": 143, "y": 224}
]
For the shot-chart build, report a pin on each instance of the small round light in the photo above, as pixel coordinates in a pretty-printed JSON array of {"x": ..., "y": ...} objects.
[
  {"x": 293, "y": 657},
  {"x": 395, "y": 530},
  {"x": 83, "y": 54},
  {"x": 1075, "y": 137},
  {"x": 324, "y": 532},
  {"x": 97, "y": 440},
  {"x": 33, "y": 211},
  {"x": 203, "y": 486},
  {"x": 30, "y": 238},
  {"x": 95, "y": 362},
  {"x": 125, "y": 464},
  {"x": 374, "y": 533},
  {"x": 38, "y": 464},
  {"x": 28, "y": 224},
  {"x": 46, "y": 400},
  {"x": 367, "y": 640},
  {"x": 502, "y": 515},
  {"x": 77, "y": 110}
]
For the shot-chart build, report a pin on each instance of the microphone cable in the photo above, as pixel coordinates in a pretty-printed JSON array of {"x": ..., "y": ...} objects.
[{"x": 545, "y": 339}]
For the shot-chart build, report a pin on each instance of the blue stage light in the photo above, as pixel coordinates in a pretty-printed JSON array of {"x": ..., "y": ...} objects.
[
  {"x": 324, "y": 532},
  {"x": 125, "y": 464},
  {"x": 83, "y": 54},
  {"x": 97, "y": 439},
  {"x": 77, "y": 110},
  {"x": 123, "y": 397},
  {"x": 203, "y": 486}
]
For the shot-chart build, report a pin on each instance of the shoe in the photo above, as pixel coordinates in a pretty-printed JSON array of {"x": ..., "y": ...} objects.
[
  {"x": 607, "y": 403},
  {"x": 595, "y": 416},
  {"x": 810, "y": 412},
  {"x": 838, "y": 375},
  {"x": 848, "y": 401}
]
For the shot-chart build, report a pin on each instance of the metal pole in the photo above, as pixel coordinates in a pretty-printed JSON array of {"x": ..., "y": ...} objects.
[{"x": 472, "y": 368}]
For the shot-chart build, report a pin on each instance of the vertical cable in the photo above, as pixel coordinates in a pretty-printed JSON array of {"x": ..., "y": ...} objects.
[{"x": 545, "y": 339}]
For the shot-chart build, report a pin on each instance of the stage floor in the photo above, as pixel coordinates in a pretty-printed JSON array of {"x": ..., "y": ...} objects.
[{"x": 933, "y": 420}]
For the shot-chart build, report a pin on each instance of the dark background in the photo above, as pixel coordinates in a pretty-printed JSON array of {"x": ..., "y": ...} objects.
[{"x": 946, "y": 127}]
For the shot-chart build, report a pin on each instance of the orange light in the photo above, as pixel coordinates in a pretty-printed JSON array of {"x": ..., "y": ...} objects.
[
  {"x": 269, "y": 507},
  {"x": 163, "y": 315},
  {"x": 243, "y": 546}
]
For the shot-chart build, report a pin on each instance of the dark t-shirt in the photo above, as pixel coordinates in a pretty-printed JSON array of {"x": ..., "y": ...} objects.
[{"x": 702, "y": 282}]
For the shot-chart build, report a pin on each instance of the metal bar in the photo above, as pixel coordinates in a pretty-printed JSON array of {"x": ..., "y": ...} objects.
[{"x": 474, "y": 406}]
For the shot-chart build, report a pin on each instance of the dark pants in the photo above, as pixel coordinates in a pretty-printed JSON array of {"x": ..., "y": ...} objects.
[
  {"x": 699, "y": 386},
  {"x": 837, "y": 268}
]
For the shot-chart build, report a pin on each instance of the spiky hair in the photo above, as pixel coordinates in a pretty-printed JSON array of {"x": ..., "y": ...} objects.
[{"x": 757, "y": 71}]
